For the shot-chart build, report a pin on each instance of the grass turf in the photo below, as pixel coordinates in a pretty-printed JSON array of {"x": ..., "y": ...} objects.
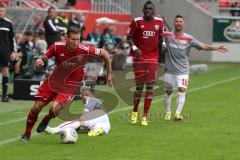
[{"x": 213, "y": 132}]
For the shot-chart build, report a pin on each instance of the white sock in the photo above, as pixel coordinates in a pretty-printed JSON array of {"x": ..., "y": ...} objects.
[
  {"x": 69, "y": 124},
  {"x": 168, "y": 99},
  {"x": 180, "y": 102}
]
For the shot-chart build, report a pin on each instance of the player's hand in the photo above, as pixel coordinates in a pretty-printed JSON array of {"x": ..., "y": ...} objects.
[
  {"x": 138, "y": 53},
  {"x": 222, "y": 49},
  {"x": 39, "y": 63},
  {"x": 110, "y": 79}
]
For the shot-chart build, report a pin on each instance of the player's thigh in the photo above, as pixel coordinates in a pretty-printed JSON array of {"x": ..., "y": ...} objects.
[
  {"x": 170, "y": 81},
  {"x": 5, "y": 63},
  {"x": 151, "y": 70},
  {"x": 61, "y": 101},
  {"x": 139, "y": 72},
  {"x": 45, "y": 93},
  {"x": 182, "y": 81}
]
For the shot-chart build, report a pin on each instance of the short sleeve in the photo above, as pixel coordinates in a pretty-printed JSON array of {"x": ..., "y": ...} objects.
[
  {"x": 196, "y": 44},
  {"x": 51, "y": 51},
  {"x": 132, "y": 28},
  {"x": 93, "y": 50}
]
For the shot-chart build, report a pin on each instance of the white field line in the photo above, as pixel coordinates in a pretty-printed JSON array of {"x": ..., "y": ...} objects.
[
  {"x": 10, "y": 140},
  {"x": 17, "y": 120},
  {"x": 188, "y": 91}
]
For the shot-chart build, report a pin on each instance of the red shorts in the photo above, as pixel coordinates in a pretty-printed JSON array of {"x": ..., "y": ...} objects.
[
  {"x": 145, "y": 71},
  {"x": 47, "y": 94}
]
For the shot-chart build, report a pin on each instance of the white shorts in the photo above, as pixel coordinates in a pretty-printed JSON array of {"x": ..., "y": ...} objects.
[
  {"x": 102, "y": 121},
  {"x": 175, "y": 81}
]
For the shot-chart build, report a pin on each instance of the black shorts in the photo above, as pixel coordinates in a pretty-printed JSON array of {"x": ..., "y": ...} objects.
[{"x": 4, "y": 60}]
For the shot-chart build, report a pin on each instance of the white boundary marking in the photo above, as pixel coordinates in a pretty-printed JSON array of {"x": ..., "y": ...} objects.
[{"x": 10, "y": 140}]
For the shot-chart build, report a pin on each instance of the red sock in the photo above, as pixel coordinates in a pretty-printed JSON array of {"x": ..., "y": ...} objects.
[
  {"x": 148, "y": 100},
  {"x": 137, "y": 98},
  {"x": 31, "y": 120}
]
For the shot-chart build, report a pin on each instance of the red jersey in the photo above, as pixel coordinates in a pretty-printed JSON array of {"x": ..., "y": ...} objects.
[
  {"x": 69, "y": 70},
  {"x": 146, "y": 36}
]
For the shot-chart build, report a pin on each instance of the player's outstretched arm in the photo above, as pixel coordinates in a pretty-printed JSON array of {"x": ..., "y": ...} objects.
[
  {"x": 221, "y": 49},
  {"x": 39, "y": 63},
  {"x": 137, "y": 51},
  {"x": 110, "y": 78}
]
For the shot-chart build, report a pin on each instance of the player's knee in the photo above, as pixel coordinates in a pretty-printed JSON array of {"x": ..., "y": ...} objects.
[
  {"x": 169, "y": 92},
  {"x": 181, "y": 89},
  {"x": 139, "y": 88},
  {"x": 37, "y": 107},
  {"x": 149, "y": 86},
  {"x": 54, "y": 110}
]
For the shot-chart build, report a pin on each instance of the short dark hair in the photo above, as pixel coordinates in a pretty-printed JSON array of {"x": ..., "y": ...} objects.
[
  {"x": 51, "y": 8},
  {"x": 74, "y": 30},
  {"x": 2, "y": 5},
  {"x": 149, "y": 2},
  {"x": 179, "y": 16}
]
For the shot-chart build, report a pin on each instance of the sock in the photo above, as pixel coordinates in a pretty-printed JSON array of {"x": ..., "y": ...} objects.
[
  {"x": 180, "y": 102},
  {"x": 147, "y": 102},
  {"x": 31, "y": 120},
  {"x": 168, "y": 99},
  {"x": 69, "y": 124},
  {"x": 4, "y": 86},
  {"x": 137, "y": 98}
]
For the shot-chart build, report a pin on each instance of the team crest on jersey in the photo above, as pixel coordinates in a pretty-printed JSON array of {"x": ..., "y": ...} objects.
[
  {"x": 142, "y": 26},
  {"x": 157, "y": 27},
  {"x": 62, "y": 54}
]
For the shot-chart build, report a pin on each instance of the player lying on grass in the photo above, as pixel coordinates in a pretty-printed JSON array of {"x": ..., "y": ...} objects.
[
  {"x": 178, "y": 46},
  {"x": 62, "y": 85},
  {"x": 94, "y": 118}
]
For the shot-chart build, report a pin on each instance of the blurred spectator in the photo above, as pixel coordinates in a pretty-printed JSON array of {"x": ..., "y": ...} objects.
[
  {"x": 120, "y": 54},
  {"x": 17, "y": 40},
  {"x": 78, "y": 21},
  {"x": 166, "y": 25},
  {"x": 94, "y": 36},
  {"x": 107, "y": 39},
  {"x": 40, "y": 44},
  {"x": 235, "y": 11},
  {"x": 38, "y": 24},
  {"x": 52, "y": 27},
  {"x": 26, "y": 47},
  {"x": 63, "y": 24},
  {"x": 15, "y": 65}
]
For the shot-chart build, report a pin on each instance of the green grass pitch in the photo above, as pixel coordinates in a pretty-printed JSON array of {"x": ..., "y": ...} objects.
[{"x": 211, "y": 134}]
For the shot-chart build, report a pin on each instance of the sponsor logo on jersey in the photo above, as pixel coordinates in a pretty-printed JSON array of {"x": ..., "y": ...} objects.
[
  {"x": 177, "y": 46},
  {"x": 149, "y": 33},
  {"x": 157, "y": 27},
  {"x": 183, "y": 41}
]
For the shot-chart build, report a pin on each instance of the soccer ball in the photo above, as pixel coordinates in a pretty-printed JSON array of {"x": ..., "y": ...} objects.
[{"x": 69, "y": 136}]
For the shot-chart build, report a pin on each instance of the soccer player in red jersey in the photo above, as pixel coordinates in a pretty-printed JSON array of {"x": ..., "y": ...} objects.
[
  {"x": 63, "y": 52},
  {"x": 145, "y": 37}
]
